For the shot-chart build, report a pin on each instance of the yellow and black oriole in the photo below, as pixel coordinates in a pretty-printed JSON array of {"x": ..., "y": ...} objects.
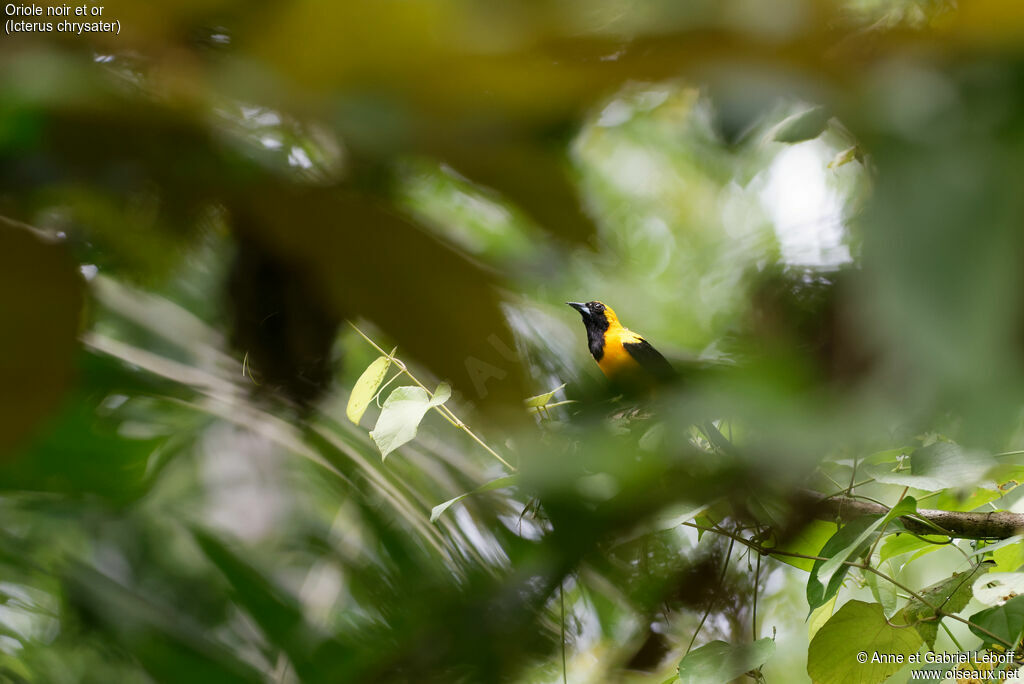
[
  {"x": 626, "y": 358},
  {"x": 629, "y": 361}
]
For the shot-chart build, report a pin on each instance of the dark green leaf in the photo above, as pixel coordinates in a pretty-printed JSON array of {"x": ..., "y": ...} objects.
[
  {"x": 1005, "y": 621},
  {"x": 839, "y": 543}
]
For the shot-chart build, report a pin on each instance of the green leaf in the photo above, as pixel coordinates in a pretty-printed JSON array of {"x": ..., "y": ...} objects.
[
  {"x": 899, "y": 544},
  {"x": 809, "y": 541},
  {"x": 951, "y": 463},
  {"x": 1005, "y": 621},
  {"x": 500, "y": 483},
  {"x": 839, "y": 543},
  {"x": 996, "y": 588},
  {"x": 951, "y": 594},
  {"x": 366, "y": 387},
  {"x": 820, "y": 616},
  {"x": 542, "y": 399},
  {"x": 990, "y": 548},
  {"x": 883, "y": 590},
  {"x": 805, "y": 125},
  {"x": 941, "y": 465},
  {"x": 1009, "y": 558},
  {"x": 859, "y": 627},
  {"x": 719, "y": 663},
  {"x": 827, "y": 568},
  {"x": 960, "y": 499},
  {"x": 400, "y": 418}
]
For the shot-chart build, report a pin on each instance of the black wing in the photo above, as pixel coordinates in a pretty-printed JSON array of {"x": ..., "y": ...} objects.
[{"x": 650, "y": 359}]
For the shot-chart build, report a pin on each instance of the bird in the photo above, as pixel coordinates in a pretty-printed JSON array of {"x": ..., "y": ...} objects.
[
  {"x": 631, "y": 364},
  {"x": 628, "y": 360}
]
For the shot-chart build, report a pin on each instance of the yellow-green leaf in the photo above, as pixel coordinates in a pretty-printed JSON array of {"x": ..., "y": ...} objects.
[
  {"x": 366, "y": 388},
  {"x": 542, "y": 399},
  {"x": 858, "y": 645}
]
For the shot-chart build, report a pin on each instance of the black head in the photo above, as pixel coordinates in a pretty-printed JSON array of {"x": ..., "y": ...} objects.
[{"x": 596, "y": 319}]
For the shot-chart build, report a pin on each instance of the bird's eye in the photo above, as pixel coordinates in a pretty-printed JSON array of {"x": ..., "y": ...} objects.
[{"x": 598, "y": 306}]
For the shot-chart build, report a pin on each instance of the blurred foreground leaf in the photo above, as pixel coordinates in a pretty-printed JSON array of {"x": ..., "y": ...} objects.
[
  {"x": 41, "y": 299},
  {"x": 170, "y": 648},
  {"x": 803, "y": 126},
  {"x": 277, "y": 614}
]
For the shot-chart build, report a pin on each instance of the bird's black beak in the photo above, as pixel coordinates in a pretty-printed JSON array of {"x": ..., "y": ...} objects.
[{"x": 581, "y": 307}]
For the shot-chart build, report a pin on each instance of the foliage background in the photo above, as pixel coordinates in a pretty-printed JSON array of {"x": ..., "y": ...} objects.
[{"x": 812, "y": 207}]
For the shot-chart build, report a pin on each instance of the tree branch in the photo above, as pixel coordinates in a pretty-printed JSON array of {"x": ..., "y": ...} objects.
[{"x": 995, "y": 525}]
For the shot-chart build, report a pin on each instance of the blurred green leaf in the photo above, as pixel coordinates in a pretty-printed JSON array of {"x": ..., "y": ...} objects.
[
  {"x": 542, "y": 399},
  {"x": 806, "y": 125},
  {"x": 938, "y": 466},
  {"x": 171, "y": 649},
  {"x": 279, "y": 615},
  {"x": 719, "y": 663},
  {"x": 104, "y": 440},
  {"x": 845, "y": 157}
]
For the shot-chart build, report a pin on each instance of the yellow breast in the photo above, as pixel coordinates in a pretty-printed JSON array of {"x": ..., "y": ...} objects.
[{"x": 616, "y": 360}]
